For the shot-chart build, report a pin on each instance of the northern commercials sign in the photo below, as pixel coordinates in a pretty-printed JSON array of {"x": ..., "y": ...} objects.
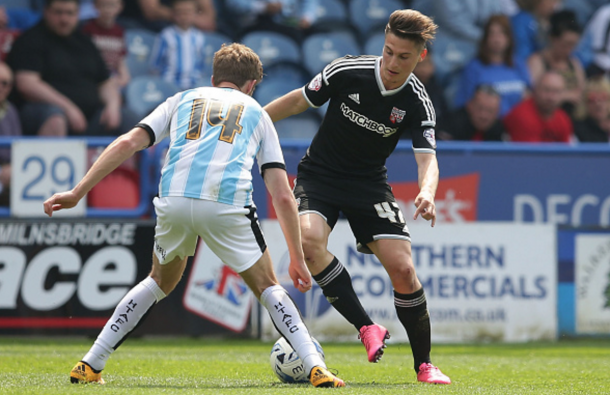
[{"x": 484, "y": 281}]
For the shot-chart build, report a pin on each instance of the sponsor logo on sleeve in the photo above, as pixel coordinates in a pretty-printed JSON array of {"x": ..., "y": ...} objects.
[
  {"x": 316, "y": 83},
  {"x": 429, "y": 135}
]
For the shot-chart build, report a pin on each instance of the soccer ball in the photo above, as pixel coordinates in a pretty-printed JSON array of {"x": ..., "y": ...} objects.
[{"x": 287, "y": 365}]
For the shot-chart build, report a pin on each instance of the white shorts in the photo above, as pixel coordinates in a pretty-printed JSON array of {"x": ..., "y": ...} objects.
[{"x": 232, "y": 233}]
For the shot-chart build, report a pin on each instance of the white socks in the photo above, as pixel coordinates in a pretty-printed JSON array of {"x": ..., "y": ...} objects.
[
  {"x": 288, "y": 321},
  {"x": 128, "y": 313}
]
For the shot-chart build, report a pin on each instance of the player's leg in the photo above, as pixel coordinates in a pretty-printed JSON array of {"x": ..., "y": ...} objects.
[
  {"x": 129, "y": 313},
  {"x": 336, "y": 283},
  {"x": 317, "y": 219},
  {"x": 410, "y": 304},
  {"x": 287, "y": 320},
  {"x": 234, "y": 235},
  {"x": 174, "y": 243}
]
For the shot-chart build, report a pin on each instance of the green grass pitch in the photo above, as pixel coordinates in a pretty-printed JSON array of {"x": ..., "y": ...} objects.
[{"x": 205, "y": 366}]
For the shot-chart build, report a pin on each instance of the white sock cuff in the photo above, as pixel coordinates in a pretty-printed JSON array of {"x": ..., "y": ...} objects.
[
  {"x": 269, "y": 291},
  {"x": 153, "y": 287}
]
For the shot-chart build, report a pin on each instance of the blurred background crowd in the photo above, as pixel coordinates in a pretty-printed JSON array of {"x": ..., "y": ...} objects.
[{"x": 498, "y": 70}]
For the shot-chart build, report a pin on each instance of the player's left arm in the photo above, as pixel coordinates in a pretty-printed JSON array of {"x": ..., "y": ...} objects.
[
  {"x": 115, "y": 154},
  {"x": 291, "y": 103},
  {"x": 427, "y": 175}
]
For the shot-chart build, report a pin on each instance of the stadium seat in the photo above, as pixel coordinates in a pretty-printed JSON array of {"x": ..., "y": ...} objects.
[
  {"x": 213, "y": 42},
  {"x": 136, "y": 67},
  {"x": 331, "y": 16},
  {"x": 119, "y": 189},
  {"x": 144, "y": 93},
  {"x": 268, "y": 91},
  {"x": 140, "y": 43},
  {"x": 302, "y": 126},
  {"x": 450, "y": 54},
  {"x": 286, "y": 71},
  {"x": 273, "y": 47},
  {"x": 321, "y": 49},
  {"x": 331, "y": 10},
  {"x": 366, "y": 15},
  {"x": 374, "y": 44}
]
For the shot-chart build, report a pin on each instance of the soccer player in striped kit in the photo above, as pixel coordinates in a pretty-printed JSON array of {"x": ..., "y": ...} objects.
[
  {"x": 373, "y": 100},
  {"x": 206, "y": 191}
]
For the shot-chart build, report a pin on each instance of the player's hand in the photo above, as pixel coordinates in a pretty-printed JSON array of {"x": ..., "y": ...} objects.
[
  {"x": 60, "y": 201},
  {"x": 425, "y": 207},
  {"x": 301, "y": 278}
]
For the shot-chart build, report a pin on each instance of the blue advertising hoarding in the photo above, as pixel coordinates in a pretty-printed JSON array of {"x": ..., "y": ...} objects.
[{"x": 550, "y": 183}]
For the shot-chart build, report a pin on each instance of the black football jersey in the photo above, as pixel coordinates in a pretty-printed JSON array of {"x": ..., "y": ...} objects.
[{"x": 364, "y": 120}]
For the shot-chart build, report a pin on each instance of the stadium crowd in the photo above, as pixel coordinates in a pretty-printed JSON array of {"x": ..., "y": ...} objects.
[{"x": 499, "y": 70}]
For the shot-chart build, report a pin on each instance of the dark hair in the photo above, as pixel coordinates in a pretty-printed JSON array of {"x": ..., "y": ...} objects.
[
  {"x": 504, "y": 23},
  {"x": 413, "y": 25},
  {"x": 563, "y": 21},
  {"x": 48, "y": 3}
]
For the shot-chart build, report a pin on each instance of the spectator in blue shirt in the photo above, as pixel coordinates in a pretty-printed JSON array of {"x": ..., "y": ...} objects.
[
  {"x": 178, "y": 53},
  {"x": 531, "y": 25},
  {"x": 495, "y": 66}
]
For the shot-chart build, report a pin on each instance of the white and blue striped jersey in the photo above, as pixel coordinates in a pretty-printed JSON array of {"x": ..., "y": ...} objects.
[
  {"x": 179, "y": 56},
  {"x": 215, "y": 134}
]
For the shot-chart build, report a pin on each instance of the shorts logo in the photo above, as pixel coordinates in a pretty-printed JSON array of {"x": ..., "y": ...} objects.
[
  {"x": 316, "y": 83},
  {"x": 298, "y": 202},
  {"x": 397, "y": 115},
  {"x": 160, "y": 250},
  {"x": 429, "y": 135}
]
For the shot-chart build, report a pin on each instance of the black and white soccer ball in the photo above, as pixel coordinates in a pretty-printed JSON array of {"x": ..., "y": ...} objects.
[{"x": 287, "y": 365}]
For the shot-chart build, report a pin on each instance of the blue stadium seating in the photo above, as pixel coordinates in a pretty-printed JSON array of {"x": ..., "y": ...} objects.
[
  {"x": 302, "y": 126},
  {"x": 286, "y": 71},
  {"x": 268, "y": 91},
  {"x": 332, "y": 17},
  {"x": 213, "y": 42},
  {"x": 371, "y": 14},
  {"x": 140, "y": 43},
  {"x": 273, "y": 47},
  {"x": 332, "y": 10},
  {"x": 450, "y": 54},
  {"x": 136, "y": 67},
  {"x": 144, "y": 93},
  {"x": 374, "y": 44},
  {"x": 321, "y": 49}
]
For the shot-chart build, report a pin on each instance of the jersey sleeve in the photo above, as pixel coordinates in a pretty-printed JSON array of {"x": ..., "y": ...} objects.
[
  {"x": 325, "y": 84},
  {"x": 270, "y": 152},
  {"x": 158, "y": 122},
  {"x": 422, "y": 120}
]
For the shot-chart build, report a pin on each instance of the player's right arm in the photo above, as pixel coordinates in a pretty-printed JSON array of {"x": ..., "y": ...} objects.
[
  {"x": 288, "y": 217},
  {"x": 115, "y": 154},
  {"x": 291, "y": 103}
]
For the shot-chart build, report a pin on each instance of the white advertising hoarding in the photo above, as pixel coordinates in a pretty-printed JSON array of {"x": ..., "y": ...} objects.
[
  {"x": 483, "y": 281},
  {"x": 592, "y": 271}
]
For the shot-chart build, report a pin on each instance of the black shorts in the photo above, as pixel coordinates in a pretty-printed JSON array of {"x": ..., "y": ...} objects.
[{"x": 370, "y": 207}]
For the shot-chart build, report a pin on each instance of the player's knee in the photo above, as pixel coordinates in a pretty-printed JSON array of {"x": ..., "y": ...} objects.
[
  {"x": 313, "y": 247},
  {"x": 402, "y": 274}
]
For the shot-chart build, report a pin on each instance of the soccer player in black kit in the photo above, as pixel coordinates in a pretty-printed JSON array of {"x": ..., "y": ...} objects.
[{"x": 373, "y": 100}]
